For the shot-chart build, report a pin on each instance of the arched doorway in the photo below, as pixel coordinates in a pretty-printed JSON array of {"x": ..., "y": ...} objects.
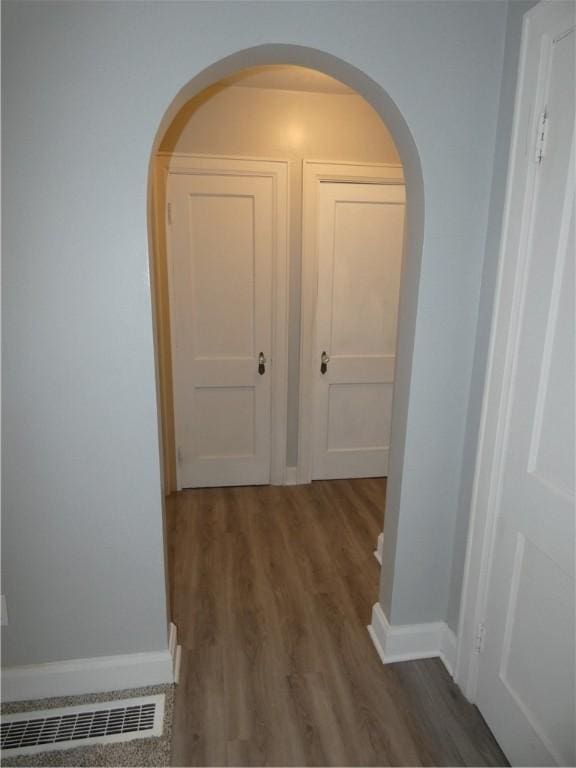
[{"x": 384, "y": 105}]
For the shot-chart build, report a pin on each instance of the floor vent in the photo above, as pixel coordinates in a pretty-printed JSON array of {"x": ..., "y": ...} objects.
[{"x": 27, "y": 733}]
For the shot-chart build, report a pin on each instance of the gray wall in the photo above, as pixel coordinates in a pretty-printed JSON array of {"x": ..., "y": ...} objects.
[
  {"x": 516, "y": 11},
  {"x": 252, "y": 122},
  {"x": 85, "y": 87}
]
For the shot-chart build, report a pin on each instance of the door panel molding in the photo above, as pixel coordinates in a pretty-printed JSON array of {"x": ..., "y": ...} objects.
[
  {"x": 276, "y": 170},
  {"x": 315, "y": 172}
]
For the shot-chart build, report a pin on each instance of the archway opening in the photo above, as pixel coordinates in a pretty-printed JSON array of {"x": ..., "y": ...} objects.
[{"x": 205, "y": 83}]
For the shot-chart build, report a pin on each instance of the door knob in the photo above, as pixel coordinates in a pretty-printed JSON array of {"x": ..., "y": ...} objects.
[
  {"x": 261, "y": 364},
  {"x": 324, "y": 360}
]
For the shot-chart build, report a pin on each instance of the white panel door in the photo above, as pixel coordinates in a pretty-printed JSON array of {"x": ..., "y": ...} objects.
[
  {"x": 221, "y": 243},
  {"x": 360, "y": 241},
  {"x": 526, "y": 683}
]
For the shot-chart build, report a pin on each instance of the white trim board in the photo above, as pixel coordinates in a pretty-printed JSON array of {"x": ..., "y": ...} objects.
[
  {"x": 278, "y": 171},
  {"x": 175, "y": 652},
  {"x": 408, "y": 642},
  {"x": 95, "y": 675},
  {"x": 314, "y": 172},
  {"x": 379, "y": 548}
]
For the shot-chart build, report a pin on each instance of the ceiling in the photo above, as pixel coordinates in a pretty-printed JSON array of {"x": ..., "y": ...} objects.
[{"x": 287, "y": 78}]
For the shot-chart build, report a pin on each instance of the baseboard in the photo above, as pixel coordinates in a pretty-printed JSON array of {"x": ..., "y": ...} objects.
[
  {"x": 291, "y": 476},
  {"x": 412, "y": 641},
  {"x": 379, "y": 548},
  {"x": 175, "y": 651},
  {"x": 96, "y": 675}
]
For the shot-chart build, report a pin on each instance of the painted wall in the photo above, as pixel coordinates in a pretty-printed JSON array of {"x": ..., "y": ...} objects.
[
  {"x": 516, "y": 11},
  {"x": 85, "y": 87},
  {"x": 267, "y": 123}
]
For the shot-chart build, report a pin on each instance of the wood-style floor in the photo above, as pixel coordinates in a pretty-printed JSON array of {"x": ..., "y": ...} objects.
[{"x": 272, "y": 589}]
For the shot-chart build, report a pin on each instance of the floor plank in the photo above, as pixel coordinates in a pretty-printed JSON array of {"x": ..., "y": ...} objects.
[{"x": 271, "y": 589}]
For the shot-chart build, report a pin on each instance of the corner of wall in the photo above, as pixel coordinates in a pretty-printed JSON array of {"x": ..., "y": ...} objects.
[{"x": 510, "y": 54}]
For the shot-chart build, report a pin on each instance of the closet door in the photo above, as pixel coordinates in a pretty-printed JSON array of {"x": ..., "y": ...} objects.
[
  {"x": 221, "y": 247},
  {"x": 360, "y": 231}
]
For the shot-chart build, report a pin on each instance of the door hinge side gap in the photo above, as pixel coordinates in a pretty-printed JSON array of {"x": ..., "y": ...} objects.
[
  {"x": 541, "y": 135},
  {"x": 480, "y": 635}
]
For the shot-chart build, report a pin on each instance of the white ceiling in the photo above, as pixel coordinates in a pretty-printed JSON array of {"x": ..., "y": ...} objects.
[{"x": 287, "y": 78}]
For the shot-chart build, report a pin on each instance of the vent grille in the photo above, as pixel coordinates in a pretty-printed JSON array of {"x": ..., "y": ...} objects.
[{"x": 98, "y": 723}]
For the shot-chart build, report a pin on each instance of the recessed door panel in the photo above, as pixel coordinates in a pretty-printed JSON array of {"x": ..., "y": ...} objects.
[
  {"x": 540, "y": 616},
  {"x": 222, "y": 253},
  {"x": 348, "y": 427},
  {"x": 555, "y": 417},
  {"x": 225, "y": 425},
  {"x": 367, "y": 259}
]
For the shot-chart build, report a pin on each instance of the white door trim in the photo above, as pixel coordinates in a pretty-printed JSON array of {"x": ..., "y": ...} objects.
[
  {"x": 278, "y": 171},
  {"x": 505, "y": 332},
  {"x": 314, "y": 172}
]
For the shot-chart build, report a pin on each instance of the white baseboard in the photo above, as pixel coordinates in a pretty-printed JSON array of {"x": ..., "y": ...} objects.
[
  {"x": 96, "y": 675},
  {"x": 175, "y": 651},
  {"x": 379, "y": 548},
  {"x": 412, "y": 641}
]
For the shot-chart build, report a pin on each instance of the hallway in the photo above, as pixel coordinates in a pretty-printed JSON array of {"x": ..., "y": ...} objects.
[{"x": 271, "y": 590}]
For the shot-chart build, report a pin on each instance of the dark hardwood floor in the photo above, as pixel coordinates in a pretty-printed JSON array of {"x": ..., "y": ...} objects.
[{"x": 272, "y": 589}]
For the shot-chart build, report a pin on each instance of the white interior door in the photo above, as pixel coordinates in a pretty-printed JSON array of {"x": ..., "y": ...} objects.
[
  {"x": 526, "y": 673},
  {"x": 360, "y": 231},
  {"x": 221, "y": 243}
]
